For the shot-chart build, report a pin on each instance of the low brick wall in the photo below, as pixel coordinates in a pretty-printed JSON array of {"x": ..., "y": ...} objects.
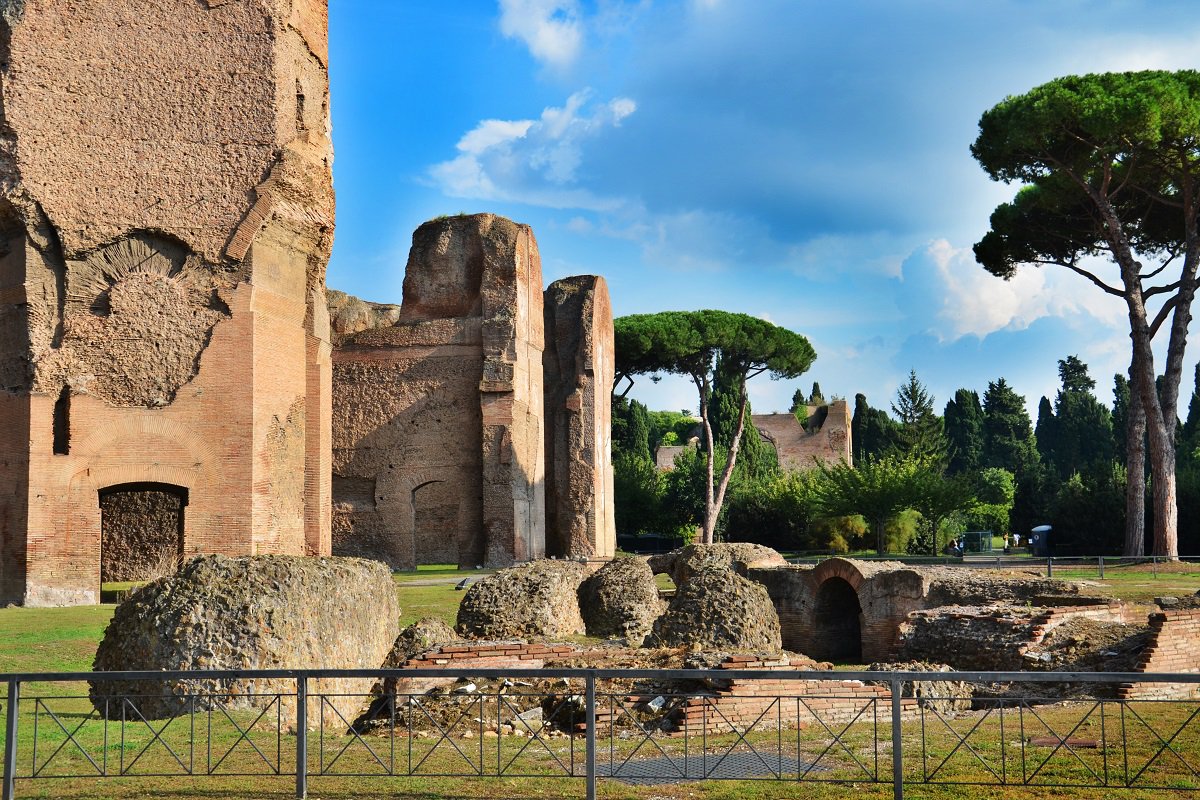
[
  {"x": 993, "y": 637},
  {"x": 1174, "y": 647},
  {"x": 739, "y": 704},
  {"x": 481, "y": 655}
]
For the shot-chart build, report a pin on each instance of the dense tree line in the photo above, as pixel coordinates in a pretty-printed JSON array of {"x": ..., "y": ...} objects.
[{"x": 919, "y": 478}]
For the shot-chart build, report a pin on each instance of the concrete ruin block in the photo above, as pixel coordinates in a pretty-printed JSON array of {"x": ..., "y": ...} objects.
[
  {"x": 166, "y": 215},
  {"x": 717, "y": 609},
  {"x": 263, "y": 612},
  {"x": 537, "y": 599},
  {"x": 578, "y": 364},
  {"x": 439, "y": 453}
]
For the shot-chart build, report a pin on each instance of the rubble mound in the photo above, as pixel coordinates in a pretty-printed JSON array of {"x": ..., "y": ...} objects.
[
  {"x": 621, "y": 600},
  {"x": 349, "y": 315},
  {"x": 537, "y": 599},
  {"x": 717, "y": 609},
  {"x": 944, "y": 695},
  {"x": 251, "y": 612},
  {"x": 685, "y": 562},
  {"x": 422, "y": 635}
]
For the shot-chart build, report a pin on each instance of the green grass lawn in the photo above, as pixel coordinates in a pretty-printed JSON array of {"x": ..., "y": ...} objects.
[{"x": 64, "y": 639}]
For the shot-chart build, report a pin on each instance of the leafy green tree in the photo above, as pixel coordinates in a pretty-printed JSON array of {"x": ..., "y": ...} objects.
[
  {"x": 872, "y": 431},
  {"x": 920, "y": 433},
  {"x": 995, "y": 492},
  {"x": 815, "y": 398},
  {"x": 778, "y": 512},
  {"x": 757, "y": 459},
  {"x": 630, "y": 428},
  {"x": 1110, "y": 165},
  {"x": 938, "y": 497},
  {"x": 799, "y": 401},
  {"x": 1190, "y": 440},
  {"x": 1077, "y": 434},
  {"x": 1008, "y": 443},
  {"x": 1007, "y": 432},
  {"x": 637, "y": 494},
  {"x": 963, "y": 419},
  {"x": 691, "y": 344},
  {"x": 876, "y": 488},
  {"x": 676, "y": 424},
  {"x": 1088, "y": 509},
  {"x": 1044, "y": 431}
]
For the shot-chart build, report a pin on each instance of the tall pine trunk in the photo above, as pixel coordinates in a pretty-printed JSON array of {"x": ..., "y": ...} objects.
[{"x": 1135, "y": 478}]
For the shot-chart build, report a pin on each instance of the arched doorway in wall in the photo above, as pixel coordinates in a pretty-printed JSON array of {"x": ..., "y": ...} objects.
[
  {"x": 141, "y": 530},
  {"x": 435, "y": 522},
  {"x": 837, "y": 634}
]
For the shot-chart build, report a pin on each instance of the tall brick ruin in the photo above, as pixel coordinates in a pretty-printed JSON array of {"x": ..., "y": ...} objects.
[
  {"x": 579, "y": 370},
  {"x": 166, "y": 211},
  {"x": 441, "y": 408}
]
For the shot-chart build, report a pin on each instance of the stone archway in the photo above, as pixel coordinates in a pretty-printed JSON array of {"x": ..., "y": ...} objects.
[
  {"x": 141, "y": 530},
  {"x": 435, "y": 522},
  {"x": 837, "y": 623}
]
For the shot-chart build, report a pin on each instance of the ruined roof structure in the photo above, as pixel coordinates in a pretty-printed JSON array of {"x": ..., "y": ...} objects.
[
  {"x": 825, "y": 440},
  {"x": 466, "y": 418},
  {"x": 166, "y": 211}
]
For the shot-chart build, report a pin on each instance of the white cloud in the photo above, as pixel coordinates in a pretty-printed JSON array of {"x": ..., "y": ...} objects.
[
  {"x": 492, "y": 132},
  {"x": 551, "y": 29},
  {"x": 533, "y": 161},
  {"x": 976, "y": 303}
]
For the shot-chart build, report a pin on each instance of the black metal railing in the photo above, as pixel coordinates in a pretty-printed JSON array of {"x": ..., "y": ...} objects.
[{"x": 635, "y": 726}]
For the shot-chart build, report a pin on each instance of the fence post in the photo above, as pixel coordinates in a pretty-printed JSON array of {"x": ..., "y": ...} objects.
[
  {"x": 301, "y": 736},
  {"x": 590, "y": 716},
  {"x": 897, "y": 745},
  {"x": 1049, "y": 567},
  {"x": 1101, "y": 560},
  {"x": 10, "y": 740}
]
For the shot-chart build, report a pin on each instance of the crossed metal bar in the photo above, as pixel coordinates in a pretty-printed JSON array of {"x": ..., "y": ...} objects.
[{"x": 54, "y": 729}]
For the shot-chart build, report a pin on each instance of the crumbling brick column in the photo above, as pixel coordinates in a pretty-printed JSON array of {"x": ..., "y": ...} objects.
[
  {"x": 578, "y": 364},
  {"x": 166, "y": 217}
]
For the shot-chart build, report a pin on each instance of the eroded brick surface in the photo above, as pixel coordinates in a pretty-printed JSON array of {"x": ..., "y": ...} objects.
[{"x": 166, "y": 214}]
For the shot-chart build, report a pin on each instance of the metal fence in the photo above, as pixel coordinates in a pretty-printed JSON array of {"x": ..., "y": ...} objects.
[{"x": 634, "y": 726}]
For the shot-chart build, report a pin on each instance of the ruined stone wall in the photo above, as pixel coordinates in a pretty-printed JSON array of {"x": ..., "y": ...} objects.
[
  {"x": 450, "y": 392},
  {"x": 407, "y": 417},
  {"x": 995, "y": 637},
  {"x": 168, "y": 214},
  {"x": 1174, "y": 643},
  {"x": 578, "y": 365},
  {"x": 827, "y": 441},
  {"x": 141, "y": 533},
  {"x": 819, "y": 608}
]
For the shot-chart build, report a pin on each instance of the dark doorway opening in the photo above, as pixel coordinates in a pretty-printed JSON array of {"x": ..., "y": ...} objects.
[
  {"x": 435, "y": 523},
  {"x": 141, "y": 531},
  {"x": 838, "y": 623}
]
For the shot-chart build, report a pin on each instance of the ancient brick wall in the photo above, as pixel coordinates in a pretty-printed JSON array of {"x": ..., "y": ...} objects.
[
  {"x": 1174, "y": 643},
  {"x": 578, "y": 364},
  {"x": 168, "y": 213},
  {"x": 482, "y": 655},
  {"x": 826, "y": 440},
  {"x": 740, "y": 704},
  {"x": 438, "y": 436},
  {"x": 824, "y": 612}
]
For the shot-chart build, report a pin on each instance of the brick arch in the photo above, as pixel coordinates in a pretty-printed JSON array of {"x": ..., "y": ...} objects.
[
  {"x": 104, "y": 440},
  {"x": 407, "y": 488},
  {"x": 838, "y": 568}
]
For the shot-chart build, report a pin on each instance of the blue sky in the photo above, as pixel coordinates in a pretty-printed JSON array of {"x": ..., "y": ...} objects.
[{"x": 806, "y": 162}]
